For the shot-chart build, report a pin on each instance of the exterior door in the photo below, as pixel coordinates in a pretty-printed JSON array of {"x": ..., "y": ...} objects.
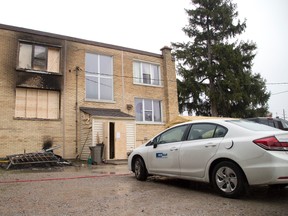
[
  {"x": 118, "y": 137},
  {"x": 111, "y": 140}
]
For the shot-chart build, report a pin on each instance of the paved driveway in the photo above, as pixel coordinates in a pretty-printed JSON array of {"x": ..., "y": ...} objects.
[{"x": 113, "y": 190}]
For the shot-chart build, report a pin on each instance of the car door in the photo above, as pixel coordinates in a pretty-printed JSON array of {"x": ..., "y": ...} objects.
[
  {"x": 201, "y": 145},
  {"x": 163, "y": 154}
]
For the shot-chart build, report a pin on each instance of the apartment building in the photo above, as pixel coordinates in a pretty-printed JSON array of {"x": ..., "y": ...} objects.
[{"x": 79, "y": 93}]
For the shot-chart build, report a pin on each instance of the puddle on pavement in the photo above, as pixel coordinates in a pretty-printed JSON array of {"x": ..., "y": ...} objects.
[
  {"x": 79, "y": 167},
  {"x": 101, "y": 169}
]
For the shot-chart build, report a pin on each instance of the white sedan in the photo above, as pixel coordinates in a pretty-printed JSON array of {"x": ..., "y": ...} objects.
[{"x": 230, "y": 154}]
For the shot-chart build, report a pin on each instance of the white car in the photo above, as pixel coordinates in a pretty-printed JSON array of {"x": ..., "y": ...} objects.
[{"x": 231, "y": 154}]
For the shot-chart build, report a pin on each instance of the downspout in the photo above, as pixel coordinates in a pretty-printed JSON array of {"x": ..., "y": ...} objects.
[
  {"x": 123, "y": 82},
  {"x": 77, "y": 69},
  {"x": 64, "y": 99}
]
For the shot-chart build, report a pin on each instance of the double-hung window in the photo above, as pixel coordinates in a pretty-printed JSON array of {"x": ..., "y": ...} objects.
[
  {"x": 99, "y": 77},
  {"x": 39, "y": 57},
  {"x": 147, "y": 110},
  {"x": 146, "y": 73}
]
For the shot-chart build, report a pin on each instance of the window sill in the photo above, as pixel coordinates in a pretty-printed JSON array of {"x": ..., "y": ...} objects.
[
  {"x": 100, "y": 101},
  {"x": 149, "y": 85},
  {"x": 36, "y": 119},
  {"x": 38, "y": 71},
  {"x": 149, "y": 123}
]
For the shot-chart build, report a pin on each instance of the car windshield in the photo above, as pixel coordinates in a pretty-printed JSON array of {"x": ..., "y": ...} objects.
[{"x": 250, "y": 125}]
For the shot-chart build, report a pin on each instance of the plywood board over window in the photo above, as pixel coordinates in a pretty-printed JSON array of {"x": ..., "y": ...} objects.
[
  {"x": 35, "y": 103},
  {"x": 31, "y": 103},
  {"x": 53, "y": 60},
  {"x": 53, "y": 105},
  {"x": 20, "y": 105}
]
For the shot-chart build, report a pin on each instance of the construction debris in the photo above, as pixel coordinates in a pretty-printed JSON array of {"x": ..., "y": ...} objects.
[{"x": 45, "y": 157}]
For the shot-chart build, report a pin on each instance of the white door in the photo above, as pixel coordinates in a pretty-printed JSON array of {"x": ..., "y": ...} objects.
[
  {"x": 164, "y": 159},
  {"x": 203, "y": 142},
  {"x": 163, "y": 155}
]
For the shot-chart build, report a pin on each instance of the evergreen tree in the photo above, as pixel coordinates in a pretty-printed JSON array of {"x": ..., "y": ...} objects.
[{"x": 216, "y": 69}]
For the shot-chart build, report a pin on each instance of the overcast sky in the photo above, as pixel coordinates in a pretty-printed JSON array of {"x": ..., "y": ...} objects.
[{"x": 151, "y": 24}]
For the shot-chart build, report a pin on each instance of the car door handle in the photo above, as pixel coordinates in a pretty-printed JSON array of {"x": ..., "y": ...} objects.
[
  {"x": 208, "y": 145},
  {"x": 174, "y": 149}
]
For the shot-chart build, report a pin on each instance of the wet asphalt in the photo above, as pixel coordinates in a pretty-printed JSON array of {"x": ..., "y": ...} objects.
[{"x": 111, "y": 189}]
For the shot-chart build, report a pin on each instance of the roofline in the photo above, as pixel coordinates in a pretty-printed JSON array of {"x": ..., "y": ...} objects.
[
  {"x": 113, "y": 117},
  {"x": 79, "y": 40}
]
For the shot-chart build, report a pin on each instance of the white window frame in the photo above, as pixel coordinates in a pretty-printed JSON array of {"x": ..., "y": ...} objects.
[
  {"x": 98, "y": 75},
  {"x": 150, "y": 110},
  {"x": 138, "y": 76}
]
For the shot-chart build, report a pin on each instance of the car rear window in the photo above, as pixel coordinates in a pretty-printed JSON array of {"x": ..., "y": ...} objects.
[{"x": 250, "y": 125}]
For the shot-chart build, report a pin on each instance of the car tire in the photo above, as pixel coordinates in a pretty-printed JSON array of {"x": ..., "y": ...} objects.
[
  {"x": 140, "y": 169},
  {"x": 228, "y": 179}
]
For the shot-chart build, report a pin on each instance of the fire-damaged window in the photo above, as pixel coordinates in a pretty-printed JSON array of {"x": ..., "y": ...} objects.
[
  {"x": 147, "y": 110},
  {"x": 35, "y": 103},
  {"x": 39, "y": 57},
  {"x": 99, "y": 77},
  {"x": 146, "y": 73}
]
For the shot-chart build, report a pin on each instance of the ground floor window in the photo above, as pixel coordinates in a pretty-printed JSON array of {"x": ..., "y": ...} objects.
[
  {"x": 147, "y": 110},
  {"x": 35, "y": 103}
]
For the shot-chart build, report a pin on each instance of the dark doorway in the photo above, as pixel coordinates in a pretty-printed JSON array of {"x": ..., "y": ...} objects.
[{"x": 112, "y": 140}]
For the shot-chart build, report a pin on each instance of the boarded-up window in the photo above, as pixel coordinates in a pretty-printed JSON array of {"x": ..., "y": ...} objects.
[
  {"x": 34, "y": 103},
  {"x": 25, "y": 56},
  {"x": 53, "y": 60},
  {"x": 39, "y": 57}
]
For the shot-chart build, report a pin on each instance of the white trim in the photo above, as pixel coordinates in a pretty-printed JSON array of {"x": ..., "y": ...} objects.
[
  {"x": 98, "y": 75},
  {"x": 143, "y": 110},
  {"x": 141, "y": 79}
]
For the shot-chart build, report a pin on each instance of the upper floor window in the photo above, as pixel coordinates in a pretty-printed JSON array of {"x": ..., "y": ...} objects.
[
  {"x": 36, "y": 103},
  {"x": 146, "y": 73},
  {"x": 147, "y": 110},
  {"x": 39, "y": 57},
  {"x": 99, "y": 77}
]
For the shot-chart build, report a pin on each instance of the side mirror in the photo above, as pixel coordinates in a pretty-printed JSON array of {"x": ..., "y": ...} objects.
[{"x": 155, "y": 145}]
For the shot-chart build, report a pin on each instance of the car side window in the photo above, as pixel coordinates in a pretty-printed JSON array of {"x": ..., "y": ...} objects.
[
  {"x": 172, "y": 135},
  {"x": 206, "y": 131},
  {"x": 220, "y": 132}
]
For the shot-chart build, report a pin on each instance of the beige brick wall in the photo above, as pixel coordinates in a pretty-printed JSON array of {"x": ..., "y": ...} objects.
[{"x": 17, "y": 136}]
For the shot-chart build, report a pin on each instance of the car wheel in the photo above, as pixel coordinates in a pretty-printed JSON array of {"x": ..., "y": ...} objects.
[
  {"x": 228, "y": 179},
  {"x": 140, "y": 170}
]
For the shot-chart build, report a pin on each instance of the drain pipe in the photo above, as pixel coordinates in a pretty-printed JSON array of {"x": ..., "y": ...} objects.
[
  {"x": 77, "y": 70},
  {"x": 64, "y": 99}
]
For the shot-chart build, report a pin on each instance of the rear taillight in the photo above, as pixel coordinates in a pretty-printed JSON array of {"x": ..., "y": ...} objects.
[{"x": 272, "y": 143}]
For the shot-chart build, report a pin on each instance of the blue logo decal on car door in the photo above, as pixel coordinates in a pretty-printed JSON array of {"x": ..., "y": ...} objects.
[{"x": 161, "y": 155}]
